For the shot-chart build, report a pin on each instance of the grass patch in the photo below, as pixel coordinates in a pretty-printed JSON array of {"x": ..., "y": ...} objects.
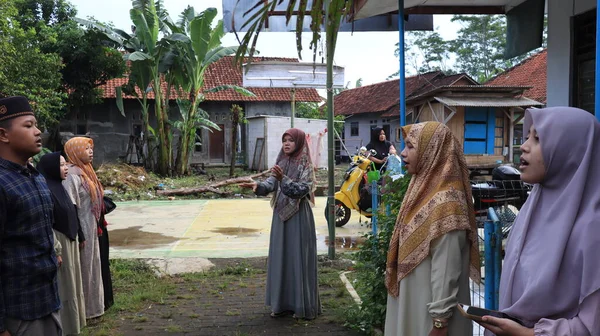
[
  {"x": 335, "y": 299},
  {"x": 174, "y": 329},
  {"x": 136, "y": 287},
  {"x": 233, "y": 312}
]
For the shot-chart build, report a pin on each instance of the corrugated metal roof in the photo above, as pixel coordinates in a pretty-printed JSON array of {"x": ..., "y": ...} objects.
[{"x": 488, "y": 102}]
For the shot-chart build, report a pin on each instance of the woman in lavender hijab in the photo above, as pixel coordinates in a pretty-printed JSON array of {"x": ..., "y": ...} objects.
[{"x": 551, "y": 273}]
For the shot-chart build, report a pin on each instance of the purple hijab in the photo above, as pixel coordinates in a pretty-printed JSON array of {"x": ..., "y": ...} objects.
[{"x": 552, "y": 261}]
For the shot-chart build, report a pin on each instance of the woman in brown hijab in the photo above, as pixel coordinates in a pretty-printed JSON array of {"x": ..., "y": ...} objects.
[
  {"x": 292, "y": 285},
  {"x": 434, "y": 248}
]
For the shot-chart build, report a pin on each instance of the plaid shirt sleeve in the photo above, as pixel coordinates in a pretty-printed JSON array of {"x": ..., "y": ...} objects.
[
  {"x": 2, "y": 224},
  {"x": 28, "y": 265}
]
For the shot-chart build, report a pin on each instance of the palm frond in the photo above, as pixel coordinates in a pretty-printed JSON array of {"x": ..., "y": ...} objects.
[
  {"x": 186, "y": 16},
  {"x": 235, "y": 88}
]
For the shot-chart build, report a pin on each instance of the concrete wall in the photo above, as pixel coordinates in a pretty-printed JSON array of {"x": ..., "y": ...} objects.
[
  {"x": 282, "y": 109},
  {"x": 111, "y": 130},
  {"x": 560, "y": 13},
  {"x": 106, "y": 125}
]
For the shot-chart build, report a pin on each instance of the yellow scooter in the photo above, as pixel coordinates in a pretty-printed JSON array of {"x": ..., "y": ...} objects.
[{"x": 349, "y": 196}]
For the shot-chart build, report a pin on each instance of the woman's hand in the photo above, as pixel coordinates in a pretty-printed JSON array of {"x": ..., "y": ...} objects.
[
  {"x": 505, "y": 327},
  {"x": 59, "y": 259},
  {"x": 439, "y": 332},
  {"x": 277, "y": 172},
  {"x": 82, "y": 245},
  {"x": 250, "y": 185}
]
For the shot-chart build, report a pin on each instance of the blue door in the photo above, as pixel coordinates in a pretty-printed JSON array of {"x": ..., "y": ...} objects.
[{"x": 480, "y": 123}]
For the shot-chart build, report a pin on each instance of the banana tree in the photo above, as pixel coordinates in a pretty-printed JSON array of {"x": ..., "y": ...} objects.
[
  {"x": 195, "y": 54},
  {"x": 148, "y": 55}
]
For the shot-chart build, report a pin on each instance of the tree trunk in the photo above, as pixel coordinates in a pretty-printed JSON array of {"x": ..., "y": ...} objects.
[
  {"x": 235, "y": 120},
  {"x": 54, "y": 142},
  {"x": 185, "y": 141},
  {"x": 146, "y": 151},
  {"x": 163, "y": 142},
  {"x": 211, "y": 187}
]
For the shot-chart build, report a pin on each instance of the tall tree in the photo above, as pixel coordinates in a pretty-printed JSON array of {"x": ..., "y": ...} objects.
[
  {"x": 237, "y": 118},
  {"x": 88, "y": 61},
  {"x": 480, "y": 45},
  {"x": 193, "y": 54},
  {"x": 147, "y": 48},
  {"x": 28, "y": 71},
  {"x": 425, "y": 51}
]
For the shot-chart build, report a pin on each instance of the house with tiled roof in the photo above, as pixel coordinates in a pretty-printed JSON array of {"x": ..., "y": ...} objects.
[
  {"x": 531, "y": 72},
  {"x": 476, "y": 114},
  {"x": 112, "y": 131}
]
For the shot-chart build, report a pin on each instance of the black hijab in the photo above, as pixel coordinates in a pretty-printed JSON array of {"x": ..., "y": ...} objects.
[
  {"x": 65, "y": 212},
  {"x": 382, "y": 147}
]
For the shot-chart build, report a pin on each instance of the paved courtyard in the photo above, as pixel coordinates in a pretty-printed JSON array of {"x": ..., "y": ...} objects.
[{"x": 220, "y": 228}]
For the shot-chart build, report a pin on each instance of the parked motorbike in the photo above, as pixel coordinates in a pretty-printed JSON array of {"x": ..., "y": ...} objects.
[
  {"x": 506, "y": 188},
  {"x": 352, "y": 194}
]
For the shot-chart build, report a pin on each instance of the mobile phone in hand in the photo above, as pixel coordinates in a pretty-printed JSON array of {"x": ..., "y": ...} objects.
[{"x": 477, "y": 313}]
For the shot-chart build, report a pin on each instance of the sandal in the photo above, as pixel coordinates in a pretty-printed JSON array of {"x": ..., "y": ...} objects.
[{"x": 280, "y": 314}]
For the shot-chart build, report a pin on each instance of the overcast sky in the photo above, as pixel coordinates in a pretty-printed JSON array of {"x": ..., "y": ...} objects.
[{"x": 369, "y": 56}]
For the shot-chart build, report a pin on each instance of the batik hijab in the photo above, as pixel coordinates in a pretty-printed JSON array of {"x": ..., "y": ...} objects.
[
  {"x": 552, "y": 264},
  {"x": 65, "y": 213},
  {"x": 75, "y": 150},
  {"x": 438, "y": 200},
  {"x": 299, "y": 168}
]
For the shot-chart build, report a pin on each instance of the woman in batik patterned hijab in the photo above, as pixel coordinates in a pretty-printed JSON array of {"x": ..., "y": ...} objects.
[
  {"x": 292, "y": 286},
  {"x": 434, "y": 248},
  {"x": 87, "y": 193}
]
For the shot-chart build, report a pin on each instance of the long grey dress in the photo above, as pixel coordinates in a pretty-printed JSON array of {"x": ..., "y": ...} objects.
[
  {"x": 70, "y": 289},
  {"x": 432, "y": 290},
  {"x": 292, "y": 283},
  {"x": 91, "y": 275}
]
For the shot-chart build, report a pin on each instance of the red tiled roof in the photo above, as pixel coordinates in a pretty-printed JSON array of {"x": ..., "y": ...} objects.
[
  {"x": 383, "y": 97},
  {"x": 531, "y": 72},
  {"x": 225, "y": 72}
]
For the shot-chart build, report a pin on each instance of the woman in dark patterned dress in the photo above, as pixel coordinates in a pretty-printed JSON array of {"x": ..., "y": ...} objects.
[{"x": 292, "y": 286}]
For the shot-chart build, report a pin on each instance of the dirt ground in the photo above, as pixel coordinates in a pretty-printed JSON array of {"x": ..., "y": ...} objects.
[{"x": 228, "y": 300}]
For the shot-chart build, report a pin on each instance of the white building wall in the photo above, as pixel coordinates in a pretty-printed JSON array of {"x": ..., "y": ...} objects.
[
  {"x": 271, "y": 128},
  {"x": 559, "y": 75}
]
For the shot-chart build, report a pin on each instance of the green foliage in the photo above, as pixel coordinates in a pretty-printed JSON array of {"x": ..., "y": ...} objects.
[
  {"x": 36, "y": 158},
  {"x": 88, "y": 63},
  {"x": 25, "y": 69},
  {"x": 47, "y": 57},
  {"x": 478, "y": 49},
  {"x": 480, "y": 45},
  {"x": 309, "y": 110},
  {"x": 371, "y": 260}
]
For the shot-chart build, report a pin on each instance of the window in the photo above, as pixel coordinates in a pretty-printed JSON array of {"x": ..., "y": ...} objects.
[{"x": 354, "y": 128}]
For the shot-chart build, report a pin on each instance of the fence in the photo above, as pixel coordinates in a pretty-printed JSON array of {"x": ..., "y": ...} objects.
[{"x": 497, "y": 204}]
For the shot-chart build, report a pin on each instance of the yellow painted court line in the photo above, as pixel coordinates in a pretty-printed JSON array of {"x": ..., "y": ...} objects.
[
  {"x": 248, "y": 214},
  {"x": 189, "y": 227}
]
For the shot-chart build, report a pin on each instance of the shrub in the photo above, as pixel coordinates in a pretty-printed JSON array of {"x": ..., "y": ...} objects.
[{"x": 371, "y": 260}]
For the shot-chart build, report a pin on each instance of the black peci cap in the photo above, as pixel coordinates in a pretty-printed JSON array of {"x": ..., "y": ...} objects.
[{"x": 12, "y": 107}]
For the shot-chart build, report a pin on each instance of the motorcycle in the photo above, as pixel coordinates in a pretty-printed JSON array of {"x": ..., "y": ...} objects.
[
  {"x": 353, "y": 195},
  {"x": 506, "y": 190}
]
